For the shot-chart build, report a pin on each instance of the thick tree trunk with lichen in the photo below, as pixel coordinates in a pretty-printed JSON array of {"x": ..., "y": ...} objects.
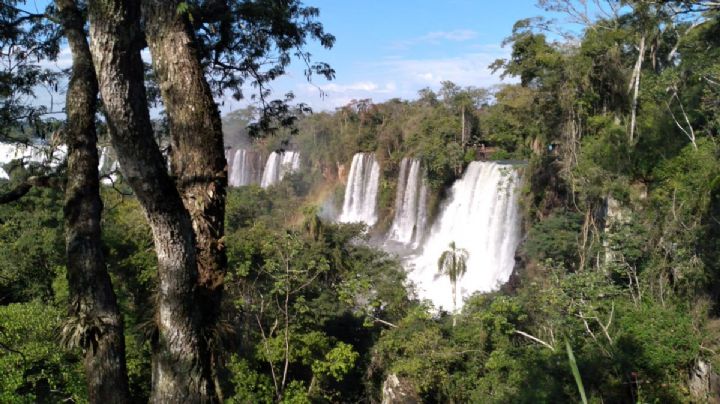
[
  {"x": 181, "y": 360},
  {"x": 198, "y": 158},
  {"x": 93, "y": 305}
]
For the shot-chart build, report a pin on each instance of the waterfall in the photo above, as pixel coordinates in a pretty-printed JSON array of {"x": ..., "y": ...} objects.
[
  {"x": 229, "y": 157},
  {"x": 410, "y": 205},
  {"x": 104, "y": 164},
  {"x": 481, "y": 216},
  {"x": 102, "y": 158},
  {"x": 107, "y": 163},
  {"x": 35, "y": 153},
  {"x": 6, "y": 155},
  {"x": 361, "y": 192},
  {"x": 108, "y": 166},
  {"x": 244, "y": 167},
  {"x": 279, "y": 164}
]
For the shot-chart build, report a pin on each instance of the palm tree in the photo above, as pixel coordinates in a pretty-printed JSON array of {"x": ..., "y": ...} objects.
[{"x": 453, "y": 264}]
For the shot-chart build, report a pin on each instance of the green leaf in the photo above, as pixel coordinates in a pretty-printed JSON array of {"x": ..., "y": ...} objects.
[{"x": 576, "y": 372}]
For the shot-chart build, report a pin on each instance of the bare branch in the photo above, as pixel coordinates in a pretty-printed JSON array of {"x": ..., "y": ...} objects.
[
  {"x": 381, "y": 321},
  {"x": 690, "y": 132},
  {"x": 679, "y": 38},
  {"x": 538, "y": 340}
]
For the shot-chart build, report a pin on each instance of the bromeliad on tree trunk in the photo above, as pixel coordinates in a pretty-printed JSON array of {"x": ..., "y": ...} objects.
[
  {"x": 198, "y": 156},
  {"x": 181, "y": 360}
]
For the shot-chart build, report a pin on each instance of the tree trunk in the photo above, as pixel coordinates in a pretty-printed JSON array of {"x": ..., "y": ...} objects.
[
  {"x": 463, "y": 128},
  {"x": 92, "y": 300},
  {"x": 635, "y": 83},
  {"x": 454, "y": 294},
  {"x": 198, "y": 158},
  {"x": 181, "y": 360}
]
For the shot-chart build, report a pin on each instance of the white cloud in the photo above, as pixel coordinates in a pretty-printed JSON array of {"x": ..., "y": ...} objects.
[
  {"x": 357, "y": 86},
  {"x": 437, "y": 37},
  {"x": 466, "y": 70},
  {"x": 360, "y": 86},
  {"x": 457, "y": 35},
  {"x": 425, "y": 76},
  {"x": 338, "y": 94},
  {"x": 54, "y": 98},
  {"x": 63, "y": 61},
  {"x": 403, "y": 77}
]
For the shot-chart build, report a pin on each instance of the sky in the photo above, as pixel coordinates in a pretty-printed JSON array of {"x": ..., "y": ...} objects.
[
  {"x": 386, "y": 49},
  {"x": 393, "y": 48}
]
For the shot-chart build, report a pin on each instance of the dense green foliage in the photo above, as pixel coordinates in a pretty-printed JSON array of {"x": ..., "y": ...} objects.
[
  {"x": 620, "y": 258},
  {"x": 33, "y": 368},
  {"x": 620, "y": 261},
  {"x": 33, "y": 247},
  {"x": 308, "y": 299}
]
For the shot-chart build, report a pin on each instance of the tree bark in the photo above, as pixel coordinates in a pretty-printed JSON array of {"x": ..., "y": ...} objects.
[
  {"x": 463, "y": 128},
  {"x": 16, "y": 193},
  {"x": 454, "y": 294},
  {"x": 181, "y": 360},
  {"x": 635, "y": 85},
  {"x": 21, "y": 189},
  {"x": 198, "y": 156},
  {"x": 93, "y": 303}
]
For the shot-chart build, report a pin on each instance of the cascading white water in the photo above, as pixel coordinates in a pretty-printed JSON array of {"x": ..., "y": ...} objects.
[
  {"x": 244, "y": 167},
  {"x": 109, "y": 167},
  {"x": 106, "y": 167},
  {"x": 7, "y": 153},
  {"x": 102, "y": 159},
  {"x": 278, "y": 165},
  {"x": 482, "y": 217},
  {"x": 229, "y": 157},
  {"x": 408, "y": 225},
  {"x": 360, "y": 203},
  {"x": 35, "y": 153}
]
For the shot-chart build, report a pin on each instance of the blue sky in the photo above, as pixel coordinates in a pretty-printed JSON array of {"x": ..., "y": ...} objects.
[{"x": 393, "y": 48}]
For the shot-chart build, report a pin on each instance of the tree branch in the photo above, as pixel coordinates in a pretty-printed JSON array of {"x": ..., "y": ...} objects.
[
  {"x": 538, "y": 340},
  {"x": 23, "y": 188}
]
